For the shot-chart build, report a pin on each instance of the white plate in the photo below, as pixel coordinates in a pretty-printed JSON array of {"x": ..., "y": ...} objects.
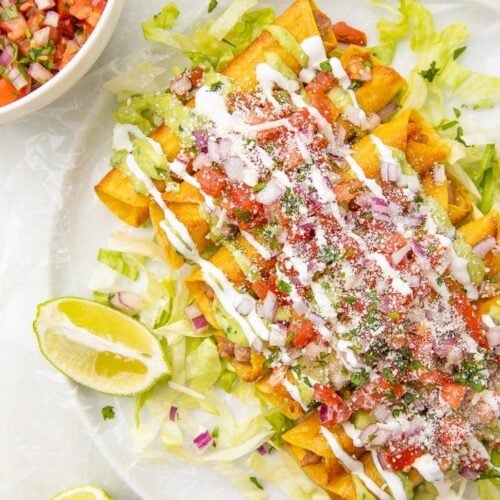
[{"x": 83, "y": 225}]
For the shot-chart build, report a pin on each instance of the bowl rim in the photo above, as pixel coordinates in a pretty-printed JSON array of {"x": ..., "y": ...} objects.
[{"x": 82, "y": 54}]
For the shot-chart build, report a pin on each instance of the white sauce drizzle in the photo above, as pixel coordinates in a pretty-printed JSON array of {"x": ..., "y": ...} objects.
[
  {"x": 393, "y": 480},
  {"x": 428, "y": 468},
  {"x": 355, "y": 466}
]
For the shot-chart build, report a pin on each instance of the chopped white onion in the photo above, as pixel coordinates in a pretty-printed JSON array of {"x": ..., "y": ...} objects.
[
  {"x": 400, "y": 254},
  {"x": 51, "y": 19},
  {"x": 270, "y": 193},
  {"x": 235, "y": 168},
  {"x": 127, "y": 301},
  {"x": 269, "y": 306},
  {"x": 17, "y": 79},
  {"x": 39, "y": 73},
  {"x": 201, "y": 161},
  {"x": 493, "y": 336},
  {"x": 45, "y": 4},
  {"x": 41, "y": 37},
  {"x": 246, "y": 306},
  {"x": 277, "y": 336},
  {"x": 389, "y": 172}
]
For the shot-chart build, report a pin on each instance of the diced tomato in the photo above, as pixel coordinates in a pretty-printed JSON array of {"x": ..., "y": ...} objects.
[
  {"x": 324, "y": 106},
  {"x": 323, "y": 83},
  {"x": 347, "y": 34},
  {"x": 81, "y": 9},
  {"x": 434, "y": 377},
  {"x": 453, "y": 394},
  {"x": 69, "y": 52},
  {"x": 304, "y": 332},
  {"x": 347, "y": 191},
  {"x": 464, "y": 307},
  {"x": 212, "y": 181},
  {"x": 16, "y": 28},
  {"x": 401, "y": 458},
  {"x": 196, "y": 75},
  {"x": 8, "y": 92},
  {"x": 243, "y": 206},
  {"x": 63, "y": 9},
  {"x": 452, "y": 432},
  {"x": 261, "y": 288},
  {"x": 326, "y": 395}
]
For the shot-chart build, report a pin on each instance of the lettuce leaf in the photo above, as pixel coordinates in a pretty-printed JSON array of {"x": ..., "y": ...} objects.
[
  {"x": 215, "y": 44},
  {"x": 202, "y": 364},
  {"x": 487, "y": 490},
  {"x": 119, "y": 262}
]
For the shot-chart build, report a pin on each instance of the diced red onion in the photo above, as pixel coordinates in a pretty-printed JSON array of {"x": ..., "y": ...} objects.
[
  {"x": 484, "y": 246},
  {"x": 400, "y": 254},
  {"x": 493, "y": 336},
  {"x": 439, "y": 174},
  {"x": 41, "y": 37},
  {"x": 201, "y": 161},
  {"x": 17, "y": 79},
  {"x": 307, "y": 226},
  {"x": 181, "y": 85},
  {"x": 325, "y": 413},
  {"x": 7, "y": 56},
  {"x": 195, "y": 315},
  {"x": 316, "y": 319},
  {"x": 127, "y": 301},
  {"x": 264, "y": 449},
  {"x": 389, "y": 172},
  {"x": 172, "y": 415},
  {"x": 51, "y": 19},
  {"x": 442, "y": 347},
  {"x": 469, "y": 474},
  {"x": 45, "y": 4},
  {"x": 269, "y": 306},
  {"x": 418, "y": 249},
  {"x": 203, "y": 440},
  {"x": 246, "y": 306},
  {"x": 270, "y": 193},
  {"x": 235, "y": 168},
  {"x": 201, "y": 139},
  {"x": 383, "y": 461},
  {"x": 387, "y": 111},
  {"x": 39, "y": 73},
  {"x": 300, "y": 306}
]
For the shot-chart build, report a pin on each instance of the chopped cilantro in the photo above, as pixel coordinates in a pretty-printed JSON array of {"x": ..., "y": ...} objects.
[
  {"x": 329, "y": 253},
  {"x": 473, "y": 374},
  {"x": 290, "y": 201},
  {"x": 447, "y": 125},
  {"x": 439, "y": 280},
  {"x": 368, "y": 215},
  {"x": 408, "y": 398},
  {"x": 355, "y": 85},
  {"x": 457, "y": 112},
  {"x": 394, "y": 315},
  {"x": 259, "y": 187},
  {"x": 430, "y": 73},
  {"x": 216, "y": 86},
  {"x": 350, "y": 299},
  {"x": 390, "y": 376},
  {"x": 322, "y": 359},
  {"x": 215, "y": 432},
  {"x": 244, "y": 215},
  {"x": 255, "y": 481},
  {"x": 418, "y": 199},
  {"x": 459, "y": 136},
  {"x": 303, "y": 172},
  {"x": 284, "y": 287},
  {"x": 108, "y": 413},
  {"x": 458, "y": 52},
  {"x": 359, "y": 378},
  {"x": 212, "y": 6},
  {"x": 326, "y": 66},
  {"x": 271, "y": 358}
]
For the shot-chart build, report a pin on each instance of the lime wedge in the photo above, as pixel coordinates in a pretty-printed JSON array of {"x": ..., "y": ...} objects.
[
  {"x": 99, "y": 347},
  {"x": 83, "y": 493}
]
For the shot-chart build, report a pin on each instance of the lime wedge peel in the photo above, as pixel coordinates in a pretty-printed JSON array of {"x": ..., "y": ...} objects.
[
  {"x": 83, "y": 493},
  {"x": 99, "y": 347}
]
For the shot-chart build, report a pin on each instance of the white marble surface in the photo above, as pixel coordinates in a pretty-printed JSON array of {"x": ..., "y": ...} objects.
[{"x": 44, "y": 446}]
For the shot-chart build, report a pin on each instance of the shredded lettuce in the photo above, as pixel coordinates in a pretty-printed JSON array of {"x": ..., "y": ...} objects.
[
  {"x": 119, "y": 262},
  {"x": 225, "y": 23},
  {"x": 215, "y": 44},
  {"x": 202, "y": 365},
  {"x": 487, "y": 490}
]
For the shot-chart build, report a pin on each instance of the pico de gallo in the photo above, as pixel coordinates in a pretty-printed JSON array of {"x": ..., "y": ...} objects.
[
  {"x": 38, "y": 38},
  {"x": 370, "y": 317}
]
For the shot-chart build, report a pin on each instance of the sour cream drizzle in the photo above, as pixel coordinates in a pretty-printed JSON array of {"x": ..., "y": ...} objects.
[
  {"x": 251, "y": 325},
  {"x": 355, "y": 466}
]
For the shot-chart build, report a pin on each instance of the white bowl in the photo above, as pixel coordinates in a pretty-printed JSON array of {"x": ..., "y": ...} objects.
[{"x": 72, "y": 72}]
